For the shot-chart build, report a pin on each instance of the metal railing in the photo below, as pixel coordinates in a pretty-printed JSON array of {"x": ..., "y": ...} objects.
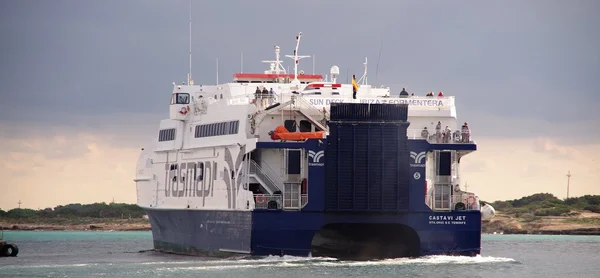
[
  {"x": 267, "y": 170},
  {"x": 319, "y": 117},
  {"x": 445, "y": 202},
  {"x": 441, "y": 137},
  {"x": 257, "y": 171},
  {"x": 268, "y": 201}
]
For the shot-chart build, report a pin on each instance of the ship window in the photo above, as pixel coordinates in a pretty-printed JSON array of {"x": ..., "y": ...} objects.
[
  {"x": 233, "y": 127},
  {"x": 166, "y": 135},
  {"x": 290, "y": 125},
  {"x": 305, "y": 126},
  {"x": 182, "y": 98},
  {"x": 222, "y": 129},
  {"x": 293, "y": 162},
  {"x": 217, "y": 129},
  {"x": 444, "y": 164}
]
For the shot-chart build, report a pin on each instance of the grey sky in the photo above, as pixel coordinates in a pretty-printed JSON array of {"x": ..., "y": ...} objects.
[{"x": 525, "y": 66}]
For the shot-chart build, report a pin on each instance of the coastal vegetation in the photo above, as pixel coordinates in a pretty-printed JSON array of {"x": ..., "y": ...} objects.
[
  {"x": 76, "y": 216},
  {"x": 538, "y": 213},
  {"x": 546, "y": 204}
]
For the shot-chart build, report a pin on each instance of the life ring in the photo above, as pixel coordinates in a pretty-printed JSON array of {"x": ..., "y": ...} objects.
[
  {"x": 183, "y": 111},
  {"x": 260, "y": 199},
  {"x": 471, "y": 201}
]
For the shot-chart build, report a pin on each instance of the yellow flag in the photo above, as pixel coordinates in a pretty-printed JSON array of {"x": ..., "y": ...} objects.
[{"x": 354, "y": 84}]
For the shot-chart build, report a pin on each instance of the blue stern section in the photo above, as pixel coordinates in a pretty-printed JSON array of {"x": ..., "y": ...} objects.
[{"x": 366, "y": 199}]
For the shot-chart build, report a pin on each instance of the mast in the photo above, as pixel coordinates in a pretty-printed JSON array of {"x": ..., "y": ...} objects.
[
  {"x": 190, "y": 81},
  {"x": 297, "y": 58},
  {"x": 276, "y": 66},
  {"x": 568, "y": 182},
  {"x": 363, "y": 79}
]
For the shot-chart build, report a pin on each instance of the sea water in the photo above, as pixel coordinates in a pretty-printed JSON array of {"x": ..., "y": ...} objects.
[{"x": 127, "y": 254}]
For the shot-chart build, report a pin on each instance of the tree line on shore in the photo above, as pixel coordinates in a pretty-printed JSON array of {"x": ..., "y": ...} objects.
[
  {"x": 546, "y": 204},
  {"x": 540, "y": 204},
  {"x": 95, "y": 210}
]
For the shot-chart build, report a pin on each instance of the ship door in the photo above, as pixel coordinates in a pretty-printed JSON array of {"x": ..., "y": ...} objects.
[{"x": 443, "y": 181}]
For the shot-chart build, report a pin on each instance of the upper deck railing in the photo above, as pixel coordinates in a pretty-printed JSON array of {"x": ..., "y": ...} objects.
[
  {"x": 441, "y": 136},
  {"x": 321, "y": 101}
]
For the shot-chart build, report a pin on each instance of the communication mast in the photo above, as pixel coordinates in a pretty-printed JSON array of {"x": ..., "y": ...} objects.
[
  {"x": 568, "y": 182},
  {"x": 297, "y": 58}
]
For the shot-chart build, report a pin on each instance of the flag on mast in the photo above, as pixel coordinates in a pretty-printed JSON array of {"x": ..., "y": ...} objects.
[{"x": 354, "y": 86}]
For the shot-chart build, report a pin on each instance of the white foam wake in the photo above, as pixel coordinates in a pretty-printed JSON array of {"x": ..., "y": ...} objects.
[{"x": 290, "y": 261}]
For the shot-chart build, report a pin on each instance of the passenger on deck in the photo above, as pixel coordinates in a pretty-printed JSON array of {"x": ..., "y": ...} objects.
[
  {"x": 430, "y": 94},
  {"x": 466, "y": 133},
  {"x": 456, "y": 136},
  {"x": 440, "y": 94},
  {"x": 438, "y": 132},
  {"x": 271, "y": 96},
  {"x": 404, "y": 93},
  {"x": 256, "y": 100},
  {"x": 257, "y": 92},
  {"x": 425, "y": 133},
  {"x": 412, "y": 95},
  {"x": 447, "y": 134},
  {"x": 265, "y": 97}
]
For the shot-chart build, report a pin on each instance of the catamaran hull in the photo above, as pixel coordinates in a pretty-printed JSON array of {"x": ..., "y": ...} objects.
[{"x": 346, "y": 236}]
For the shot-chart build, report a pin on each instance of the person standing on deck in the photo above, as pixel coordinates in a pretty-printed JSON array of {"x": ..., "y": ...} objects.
[
  {"x": 404, "y": 93},
  {"x": 447, "y": 134},
  {"x": 425, "y": 133},
  {"x": 265, "y": 97},
  {"x": 438, "y": 131},
  {"x": 466, "y": 138},
  {"x": 271, "y": 96},
  {"x": 354, "y": 86}
]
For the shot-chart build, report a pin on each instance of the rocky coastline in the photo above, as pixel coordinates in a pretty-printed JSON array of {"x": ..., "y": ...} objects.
[
  {"x": 78, "y": 225},
  {"x": 578, "y": 223}
]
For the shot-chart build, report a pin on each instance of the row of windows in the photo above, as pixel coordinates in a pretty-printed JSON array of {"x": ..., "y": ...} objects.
[
  {"x": 166, "y": 135},
  {"x": 217, "y": 129},
  {"x": 291, "y": 126},
  {"x": 207, "y": 130}
]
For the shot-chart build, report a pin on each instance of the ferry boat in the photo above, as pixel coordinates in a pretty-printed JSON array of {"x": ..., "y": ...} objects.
[{"x": 279, "y": 163}]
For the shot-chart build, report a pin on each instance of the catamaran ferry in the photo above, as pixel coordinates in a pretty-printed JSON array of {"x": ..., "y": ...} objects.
[{"x": 275, "y": 163}]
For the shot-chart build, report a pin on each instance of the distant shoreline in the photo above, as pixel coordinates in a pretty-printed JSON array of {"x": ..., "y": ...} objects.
[
  {"x": 585, "y": 223},
  {"x": 579, "y": 223},
  {"x": 75, "y": 224}
]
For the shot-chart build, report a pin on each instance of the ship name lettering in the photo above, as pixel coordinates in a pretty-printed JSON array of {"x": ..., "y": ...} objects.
[
  {"x": 447, "y": 217},
  {"x": 190, "y": 179},
  {"x": 411, "y": 102}
]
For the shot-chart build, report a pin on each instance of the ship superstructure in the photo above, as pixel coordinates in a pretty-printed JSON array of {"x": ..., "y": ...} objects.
[{"x": 280, "y": 163}]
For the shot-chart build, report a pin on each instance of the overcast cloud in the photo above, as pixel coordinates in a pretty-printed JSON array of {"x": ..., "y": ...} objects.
[{"x": 519, "y": 69}]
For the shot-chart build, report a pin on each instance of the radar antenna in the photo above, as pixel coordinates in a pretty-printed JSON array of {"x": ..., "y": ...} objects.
[
  {"x": 335, "y": 71},
  {"x": 276, "y": 66},
  {"x": 363, "y": 78},
  {"x": 190, "y": 81},
  {"x": 297, "y": 58}
]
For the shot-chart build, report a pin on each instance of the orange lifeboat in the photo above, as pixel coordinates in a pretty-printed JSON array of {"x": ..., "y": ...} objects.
[{"x": 281, "y": 133}]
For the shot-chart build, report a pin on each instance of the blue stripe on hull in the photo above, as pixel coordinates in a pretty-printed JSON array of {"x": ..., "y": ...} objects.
[
  {"x": 201, "y": 232},
  {"x": 222, "y": 233}
]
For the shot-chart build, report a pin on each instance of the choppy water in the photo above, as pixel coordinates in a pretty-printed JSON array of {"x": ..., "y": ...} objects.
[{"x": 116, "y": 254}]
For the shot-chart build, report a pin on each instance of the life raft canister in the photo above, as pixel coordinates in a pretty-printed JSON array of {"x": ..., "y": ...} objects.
[{"x": 303, "y": 186}]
